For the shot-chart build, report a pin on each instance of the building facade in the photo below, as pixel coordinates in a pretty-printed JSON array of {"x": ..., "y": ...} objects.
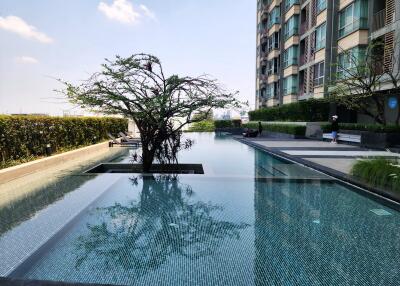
[{"x": 299, "y": 42}]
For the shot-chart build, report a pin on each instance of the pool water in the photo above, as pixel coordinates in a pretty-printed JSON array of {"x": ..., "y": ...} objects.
[{"x": 250, "y": 220}]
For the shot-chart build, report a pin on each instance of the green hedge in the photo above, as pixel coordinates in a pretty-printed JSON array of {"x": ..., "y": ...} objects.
[
  {"x": 312, "y": 110},
  {"x": 203, "y": 126},
  {"x": 24, "y": 137},
  {"x": 364, "y": 127},
  {"x": 292, "y": 129},
  {"x": 234, "y": 123},
  {"x": 379, "y": 173}
]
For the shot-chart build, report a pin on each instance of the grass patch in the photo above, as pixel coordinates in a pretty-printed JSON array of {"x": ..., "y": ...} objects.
[{"x": 381, "y": 173}]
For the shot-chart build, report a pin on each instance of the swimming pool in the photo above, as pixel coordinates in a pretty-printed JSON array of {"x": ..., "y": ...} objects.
[{"x": 251, "y": 219}]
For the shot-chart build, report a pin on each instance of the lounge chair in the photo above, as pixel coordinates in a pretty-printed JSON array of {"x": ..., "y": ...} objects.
[
  {"x": 124, "y": 143},
  {"x": 126, "y": 138}
]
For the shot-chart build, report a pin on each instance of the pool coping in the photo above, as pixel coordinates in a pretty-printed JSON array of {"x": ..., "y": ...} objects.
[
  {"x": 382, "y": 196},
  {"x": 5, "y": 281},
  {"x": 21, "y": 170}
]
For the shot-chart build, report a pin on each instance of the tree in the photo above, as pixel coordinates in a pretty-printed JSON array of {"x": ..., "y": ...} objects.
[
  {"x": 136, "y": 88},
  {"x": 360, "y": 77}
]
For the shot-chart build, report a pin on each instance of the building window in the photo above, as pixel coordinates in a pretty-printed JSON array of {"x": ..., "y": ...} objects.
[
  {"x": 319, "y": 73},
  {"x": 269, "y": 93},
  {"x": 349, "y": 60},
  {"x": 291, "y": 27},
  {"x": 290, "y": 85},
  {"x": 320, "y": 37},
  {"x": 273, "y": 66},
  {"x": 290, "y": 3},
  {"x": 353, "y": 17},
  {"x": 274, "y": 17},
  {"x": 321, "y": 5},
  {"x": 273, "y": 42},
  {"x": 290, "y": 56}
]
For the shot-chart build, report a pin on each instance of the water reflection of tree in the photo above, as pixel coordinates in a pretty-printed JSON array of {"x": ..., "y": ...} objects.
[{"x": 140, "y": 236}]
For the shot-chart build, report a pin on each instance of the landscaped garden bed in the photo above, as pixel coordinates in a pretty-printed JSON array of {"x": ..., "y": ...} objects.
[
  {"x": 279, "y": 130},
  {"x": 25, "y": 138},
  {"x": 379, "y": 173},
  {"x": 312, "y": 110}
]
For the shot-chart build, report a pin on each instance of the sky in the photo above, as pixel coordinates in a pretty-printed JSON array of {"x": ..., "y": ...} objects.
[{"x": 45, "y": 40}]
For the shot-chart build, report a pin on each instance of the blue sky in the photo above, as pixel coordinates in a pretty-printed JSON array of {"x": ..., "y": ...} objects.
[{"x": 45, "y": 39}]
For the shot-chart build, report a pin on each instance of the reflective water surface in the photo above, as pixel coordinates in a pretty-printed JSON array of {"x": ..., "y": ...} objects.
[{"x": 250, "y": 220}]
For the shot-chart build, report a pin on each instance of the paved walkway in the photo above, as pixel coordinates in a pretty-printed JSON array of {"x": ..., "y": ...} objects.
[{"x": 339, "y": 157}]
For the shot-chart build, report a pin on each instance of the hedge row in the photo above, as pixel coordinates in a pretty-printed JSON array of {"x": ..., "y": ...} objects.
[
  {"x": 312, "y": 110},
  {"x": 379, "y": 173},
  {"x": 292, "y": 129},
  {"x": 228, "y": 123},
  {"x": 203, "y": 126},
  {"x": 23, "y": 137},
  {"x": 364, "y": 127}
]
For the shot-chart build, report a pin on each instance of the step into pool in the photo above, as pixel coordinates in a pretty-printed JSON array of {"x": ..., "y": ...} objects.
[{"x": 250, "y": 219}]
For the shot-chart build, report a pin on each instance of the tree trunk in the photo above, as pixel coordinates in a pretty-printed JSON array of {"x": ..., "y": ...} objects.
[{"x": 147, "y": 157}]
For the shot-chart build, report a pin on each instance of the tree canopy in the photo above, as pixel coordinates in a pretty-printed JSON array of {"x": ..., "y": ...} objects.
[{"x": 136, "y": 87}]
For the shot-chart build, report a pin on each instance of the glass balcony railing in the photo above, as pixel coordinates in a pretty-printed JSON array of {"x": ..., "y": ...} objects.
[
  {"x": 354, "y": 26},
  {"x": 378, "y": 21}
]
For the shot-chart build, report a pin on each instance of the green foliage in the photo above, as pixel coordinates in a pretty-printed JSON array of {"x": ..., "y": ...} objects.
[
  {"x": 202, "y": 126},
  {"x": 234, "y": 123},
  {"x": 364, "y": 127},
  {"x": 24, "y": 138},
  {"x": 292, "y": 129},
  {"x": 223, "y": 123},
  {"x": 380, "y": 173},
  {"x": 312, "y": 110}
]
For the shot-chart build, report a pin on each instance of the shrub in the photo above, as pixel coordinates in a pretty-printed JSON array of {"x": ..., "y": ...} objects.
[
  {"x": 24, "y": 137},
  {"x": 364, "y": 127},
  {"x": 311, "y": 110},
  {"x": 203, "y": 126},
  {"x": 234, "y": 123},
  {"x": 292, "y": 129},
  {"x": 381, "y": 173},
  {"x": 223, "y": 123}
]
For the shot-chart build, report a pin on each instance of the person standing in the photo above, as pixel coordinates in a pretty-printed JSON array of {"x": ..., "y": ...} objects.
[
  {"x": 335, "y": 129},
  {"x": 260, "y": 128}
]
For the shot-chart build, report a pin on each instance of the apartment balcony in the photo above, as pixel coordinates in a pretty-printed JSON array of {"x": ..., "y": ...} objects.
[
  {"x": 303, "y": 28},
  {"x": 264, "y": 15},
  {"x": 381, "y": 20},
  {"x": 302, "y": 60},
  {"x": 263, "y": 78},
  {"x": 264, "y": 56},
  {"x": 264, "y": 33},
  {"x": 378, "y": 21},
  {"x": 301, "y": 90}
]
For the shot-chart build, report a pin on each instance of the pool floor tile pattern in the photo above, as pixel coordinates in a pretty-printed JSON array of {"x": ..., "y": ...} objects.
[{"x": 224, "y": 230}]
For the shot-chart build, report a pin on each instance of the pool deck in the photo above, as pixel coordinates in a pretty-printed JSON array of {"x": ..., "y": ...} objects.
[
  {"x": 339, "y": 157},
  {"x": 335, "y": 160}
]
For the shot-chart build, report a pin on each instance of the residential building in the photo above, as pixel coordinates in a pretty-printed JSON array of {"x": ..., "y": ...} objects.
[{"x": 299, "y": 42}]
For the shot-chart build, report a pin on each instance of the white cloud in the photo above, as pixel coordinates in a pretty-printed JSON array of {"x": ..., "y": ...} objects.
[
  {"x": 148, "y": 13},
  {"x": 121, "y": 11},
  {"x": 26, "y": 60},
  {"x": 17, "y": 25}
]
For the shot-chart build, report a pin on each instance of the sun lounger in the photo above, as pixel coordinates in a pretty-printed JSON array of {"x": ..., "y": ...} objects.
[{"x": 130, "y": 142}]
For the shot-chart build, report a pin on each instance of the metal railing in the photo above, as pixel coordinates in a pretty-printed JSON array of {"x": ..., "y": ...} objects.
[{"x": 378, "y": 21}]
